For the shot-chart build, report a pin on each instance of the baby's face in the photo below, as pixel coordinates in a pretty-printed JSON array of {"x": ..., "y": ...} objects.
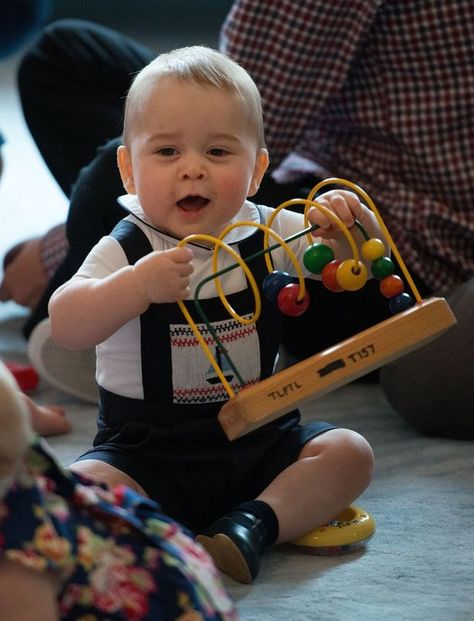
[{"x": 192, "y": 158}]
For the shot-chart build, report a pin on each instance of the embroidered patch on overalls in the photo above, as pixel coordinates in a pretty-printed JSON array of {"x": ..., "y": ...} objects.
[{"x": 194, "y": 378}]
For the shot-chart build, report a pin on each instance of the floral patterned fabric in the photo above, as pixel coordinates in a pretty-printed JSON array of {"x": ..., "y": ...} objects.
[{"x": 119, "y": 558}]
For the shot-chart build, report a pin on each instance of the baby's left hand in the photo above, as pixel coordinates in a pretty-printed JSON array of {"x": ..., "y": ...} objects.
[{"x": 346, "y": 205}]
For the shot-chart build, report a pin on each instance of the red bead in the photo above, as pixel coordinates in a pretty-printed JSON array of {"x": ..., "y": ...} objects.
[
  {"x": 288, "y": 303},
  {"x": 390, "y": 286},
  {"x": 329, "y": 277}
]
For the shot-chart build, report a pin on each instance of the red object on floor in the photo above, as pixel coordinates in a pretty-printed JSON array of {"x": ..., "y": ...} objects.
[{"x": 26, "y": 376}]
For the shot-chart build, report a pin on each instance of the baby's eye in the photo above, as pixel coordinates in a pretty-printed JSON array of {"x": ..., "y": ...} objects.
[
  {"x": 167, "y": 151},
  {"x": 218, "y": 152}
]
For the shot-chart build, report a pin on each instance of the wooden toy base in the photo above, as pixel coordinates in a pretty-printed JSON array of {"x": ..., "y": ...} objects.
[{"x": 257, "y": 405}]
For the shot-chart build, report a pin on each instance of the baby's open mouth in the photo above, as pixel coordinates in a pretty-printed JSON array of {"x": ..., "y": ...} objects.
[{"x": 192, "y": 203}]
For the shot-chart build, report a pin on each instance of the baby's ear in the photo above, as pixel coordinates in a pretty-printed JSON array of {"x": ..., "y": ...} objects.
[
  {"x": 261, "y": 165},
  {"x": 124, "y": 162}
]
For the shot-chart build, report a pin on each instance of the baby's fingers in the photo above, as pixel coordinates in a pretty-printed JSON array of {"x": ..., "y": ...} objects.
[
  {"x": 182, "y": 258},
  {"x": 181, "y": 254},
  {"x": 318, "y": 216},
  {"x": 182, "y": 287},
  {"x": 353, "y": 202},
  {"x": 346, "y": 208}
]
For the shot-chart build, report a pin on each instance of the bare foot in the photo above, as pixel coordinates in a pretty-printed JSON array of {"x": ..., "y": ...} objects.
[{"x": 47, "y": 420}]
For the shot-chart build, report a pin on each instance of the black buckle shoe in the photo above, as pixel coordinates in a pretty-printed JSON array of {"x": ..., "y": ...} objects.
[{"x": 235, "y": 543}]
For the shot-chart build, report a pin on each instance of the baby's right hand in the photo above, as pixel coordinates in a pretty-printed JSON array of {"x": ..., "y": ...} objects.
[{"x": 164, "y": 276}]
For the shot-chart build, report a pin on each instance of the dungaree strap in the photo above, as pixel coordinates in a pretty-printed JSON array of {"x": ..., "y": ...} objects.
[
  {"x": 133, "y": 240},
  {"x": 155, "y": 368},
  {"x": 155, "y": 322}
]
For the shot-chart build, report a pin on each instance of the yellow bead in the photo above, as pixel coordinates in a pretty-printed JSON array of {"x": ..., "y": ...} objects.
[
  {"x": 373, "y": 249},
  {"x": 351, "y": 276}
]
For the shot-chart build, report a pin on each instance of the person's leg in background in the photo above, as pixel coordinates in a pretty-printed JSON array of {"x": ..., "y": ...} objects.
[
  {"x": 93, "y": 213},
  {"x": 431, "y": 388},
  {"x": 72, "y": 85}
]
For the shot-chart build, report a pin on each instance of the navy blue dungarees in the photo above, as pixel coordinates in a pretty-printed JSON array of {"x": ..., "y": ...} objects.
[{"x": 176, "y": 450}]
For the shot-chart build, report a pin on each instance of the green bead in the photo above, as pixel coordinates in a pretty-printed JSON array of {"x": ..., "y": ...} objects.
[
  {"x": 383, "y": 267},
  {"x": 316, "y": 257}
]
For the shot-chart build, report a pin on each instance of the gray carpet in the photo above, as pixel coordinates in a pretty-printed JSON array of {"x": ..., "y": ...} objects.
[{"x": 418, "y": 566}]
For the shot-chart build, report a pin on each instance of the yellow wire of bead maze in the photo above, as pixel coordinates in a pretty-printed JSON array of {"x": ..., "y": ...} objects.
[
  {"x": 220, "y": 244},
  {"x": 370, "y": 203},
  {"x": 235, "y": 417}
]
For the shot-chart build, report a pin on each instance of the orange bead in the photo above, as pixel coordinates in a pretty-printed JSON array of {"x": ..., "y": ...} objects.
[{"x": 390, "y": 286}]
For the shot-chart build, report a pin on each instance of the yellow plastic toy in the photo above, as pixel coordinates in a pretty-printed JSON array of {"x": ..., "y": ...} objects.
[{"x": 349, "y": 531}]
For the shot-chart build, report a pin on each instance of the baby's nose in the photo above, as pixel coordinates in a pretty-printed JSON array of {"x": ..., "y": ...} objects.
[{"x": 194, "y": 167}]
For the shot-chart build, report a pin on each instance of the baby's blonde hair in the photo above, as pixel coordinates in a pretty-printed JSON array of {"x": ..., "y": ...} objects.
[{"x": 200, "y": 65}]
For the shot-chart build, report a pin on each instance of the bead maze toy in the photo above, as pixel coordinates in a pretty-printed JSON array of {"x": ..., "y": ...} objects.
[{"x": 414, "y": 322}]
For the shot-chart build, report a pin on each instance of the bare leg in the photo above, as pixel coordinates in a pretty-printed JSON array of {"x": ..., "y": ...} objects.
[
  {"x": 332, "y": 470},
  {"x": 47, "y": 420},
  {"x": 102, "y": 472},
  {"x": 27, "y": 595}
]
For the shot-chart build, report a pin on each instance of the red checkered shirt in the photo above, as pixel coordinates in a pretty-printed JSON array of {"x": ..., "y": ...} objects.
[{"x": 380, "y": 93}]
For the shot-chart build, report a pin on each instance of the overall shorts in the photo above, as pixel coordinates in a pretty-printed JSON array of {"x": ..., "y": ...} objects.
[{"x": 171, "y": 442}]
